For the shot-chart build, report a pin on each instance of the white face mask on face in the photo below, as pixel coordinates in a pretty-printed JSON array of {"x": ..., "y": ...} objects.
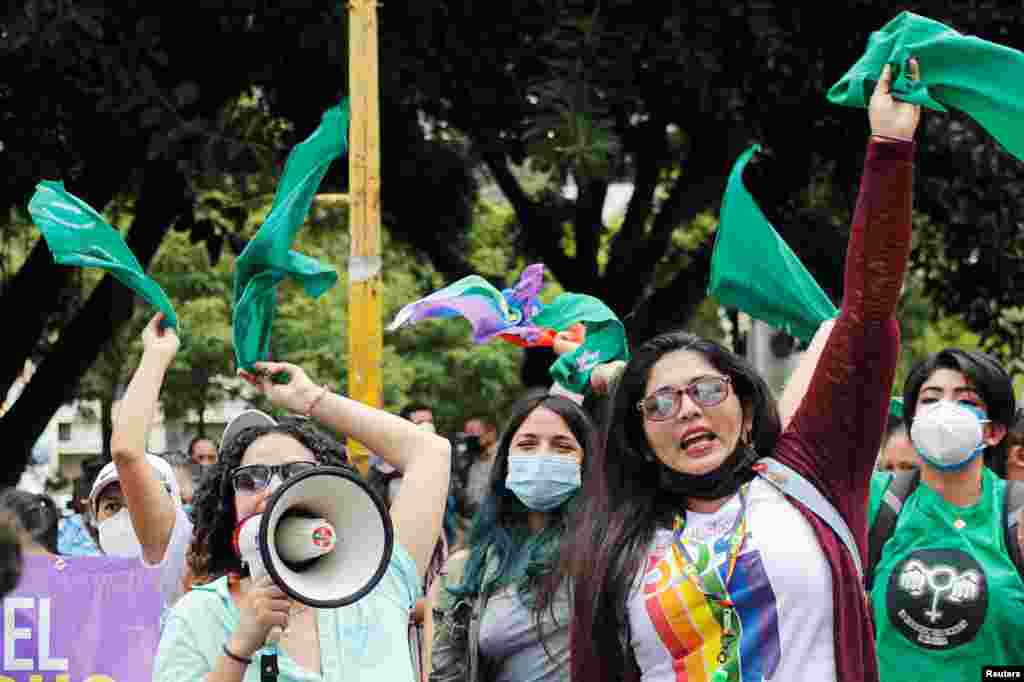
[
  {"x": 117, "y": 536},
  {"x": 948, "y": 435},
  {"x": 428, "y": 426}
]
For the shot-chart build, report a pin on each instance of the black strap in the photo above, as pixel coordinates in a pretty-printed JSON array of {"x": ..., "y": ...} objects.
[
  {"x": 901, "y": 487},
  {"x": 1012, "y": 505},
  {"x": 268, "y": 668}
]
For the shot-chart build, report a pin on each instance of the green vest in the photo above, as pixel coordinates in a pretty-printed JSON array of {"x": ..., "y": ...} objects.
[{"x": 947, "y": 598}]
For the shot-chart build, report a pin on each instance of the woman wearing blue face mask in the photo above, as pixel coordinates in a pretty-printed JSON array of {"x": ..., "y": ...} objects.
[
  {"x": 500, "y": 609},
  {"x": 943, "y": 585}
]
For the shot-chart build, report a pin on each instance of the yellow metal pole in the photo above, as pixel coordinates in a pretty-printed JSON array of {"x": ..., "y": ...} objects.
[{"x": 365, "y": 333}]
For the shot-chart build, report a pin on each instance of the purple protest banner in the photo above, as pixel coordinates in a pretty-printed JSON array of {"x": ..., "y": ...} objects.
[{"x": 81, "y": 619}]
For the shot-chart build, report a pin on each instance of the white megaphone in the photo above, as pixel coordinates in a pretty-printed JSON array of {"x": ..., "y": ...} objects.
[{"x": 325, "y": 538}]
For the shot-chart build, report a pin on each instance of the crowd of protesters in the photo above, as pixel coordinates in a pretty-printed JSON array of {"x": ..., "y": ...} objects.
[{"x": 678, "y": 522}]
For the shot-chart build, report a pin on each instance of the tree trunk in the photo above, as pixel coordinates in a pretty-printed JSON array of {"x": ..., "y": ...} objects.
[
  {"x": 40, "y": 280},
  {"x": 534, "y": 370},
  {"x": 107, "y": 423},
  {"x": 671, "y": 307},
  {"x": 82, "y": 340},
  {"x": 201, "y": 426}
]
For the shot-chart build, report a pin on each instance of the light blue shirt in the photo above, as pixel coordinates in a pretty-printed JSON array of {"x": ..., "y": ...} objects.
[
  {"x": 73, "y": 538},
  {"x": 363, "y": 642}
]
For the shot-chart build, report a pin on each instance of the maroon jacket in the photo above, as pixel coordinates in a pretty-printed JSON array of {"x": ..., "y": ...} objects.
[{"x": 833, "y": 438}]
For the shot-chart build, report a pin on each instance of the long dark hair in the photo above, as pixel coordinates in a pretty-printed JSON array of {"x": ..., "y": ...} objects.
[
  {"x": 623, "y": 504},
  {"x": 10, "y": 554},
  {"x": 36, "y": 514},
  {"x": 991, "y": 381},
  {"x": 501, "y": 523},
  {"x": 212, "y": 553}
]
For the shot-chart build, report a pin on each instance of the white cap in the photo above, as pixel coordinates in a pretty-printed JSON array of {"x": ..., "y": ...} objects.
[
  {"x": 244, "y": 420},
  {"x": 108, "y": 475}
]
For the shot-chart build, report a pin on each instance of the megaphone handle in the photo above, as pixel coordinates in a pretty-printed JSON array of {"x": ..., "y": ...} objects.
[{"x": 268, "y": 667}]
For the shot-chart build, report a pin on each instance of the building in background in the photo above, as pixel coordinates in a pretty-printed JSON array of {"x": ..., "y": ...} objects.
[{"x": 75, "y": 434}]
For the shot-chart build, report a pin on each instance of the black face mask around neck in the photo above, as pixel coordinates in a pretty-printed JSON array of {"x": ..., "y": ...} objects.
[{"x": 736, "y": 470}]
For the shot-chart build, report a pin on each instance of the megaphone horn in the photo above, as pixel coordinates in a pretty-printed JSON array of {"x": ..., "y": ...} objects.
[
  {"x": 325, "y": 538},
  {"x": 301, "y": 539}
]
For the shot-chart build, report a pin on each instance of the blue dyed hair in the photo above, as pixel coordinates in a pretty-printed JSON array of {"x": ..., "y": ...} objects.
[{"x": 501, "y": 521}]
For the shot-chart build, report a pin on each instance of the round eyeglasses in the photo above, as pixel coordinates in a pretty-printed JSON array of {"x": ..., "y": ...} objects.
[{"x": 665, "y": 403}]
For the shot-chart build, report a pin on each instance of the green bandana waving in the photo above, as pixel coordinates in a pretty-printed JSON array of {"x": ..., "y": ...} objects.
[
  {"x": 754, "y": 270},
  {"x": 267, "y": 260},
  {"x": 77, "y": 235},
  {"x": 605, "y": 339},
  {"x": 982, "y": 79}
]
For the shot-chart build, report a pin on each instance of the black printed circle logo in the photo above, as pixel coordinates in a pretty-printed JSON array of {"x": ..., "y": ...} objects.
[{"x": 937, "y": 598}]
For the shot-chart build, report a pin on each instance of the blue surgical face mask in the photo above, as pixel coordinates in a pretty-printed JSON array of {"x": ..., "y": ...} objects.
[
  {"x": 188, "y": 509},
  {"x": 543, "y": 481}
]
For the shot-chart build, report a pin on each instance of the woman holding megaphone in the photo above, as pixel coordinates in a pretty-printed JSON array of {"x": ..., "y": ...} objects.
[{"x": 219, "y": 631}]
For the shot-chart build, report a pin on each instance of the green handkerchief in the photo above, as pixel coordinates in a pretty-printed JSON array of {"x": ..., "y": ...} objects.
[
  {"x": 267, "y": 260},
  {"x": 77, "y": 234},
  {"x": 982, "y": 79},
  {"x": 754, "y": 270},
  {"x": 605, "y": 340}
]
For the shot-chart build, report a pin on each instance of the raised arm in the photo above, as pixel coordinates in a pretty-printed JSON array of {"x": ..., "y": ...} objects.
[
  {"x": 423, "y": 458},
  {"x": 800, "y": 380},
  {"x": 841, "y": 420},
  {"x": 150, "y": 507}
]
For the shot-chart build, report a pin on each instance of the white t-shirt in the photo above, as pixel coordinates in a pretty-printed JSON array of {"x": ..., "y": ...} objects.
[
  {"x": 781, "y": 586},
  {"x": 172, "y": 567}
]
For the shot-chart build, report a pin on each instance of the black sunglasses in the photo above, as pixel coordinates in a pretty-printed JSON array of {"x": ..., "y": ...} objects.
[
  {"x": 665, "y": 403},
  {"x": 256, "y": 477}
]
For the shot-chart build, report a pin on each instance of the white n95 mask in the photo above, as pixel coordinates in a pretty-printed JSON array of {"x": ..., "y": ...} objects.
[
  {"x": 117, "y": 536},
  {"x": 948, "y": 435}
]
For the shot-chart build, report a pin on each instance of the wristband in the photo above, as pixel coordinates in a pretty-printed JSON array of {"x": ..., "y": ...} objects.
[
  {"x": 316, "y": 400},
  {"x": 236, "y": 657}
]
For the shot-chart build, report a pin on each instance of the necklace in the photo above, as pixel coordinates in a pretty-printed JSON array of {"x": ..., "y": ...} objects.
[{"x": 738, "y": 534}]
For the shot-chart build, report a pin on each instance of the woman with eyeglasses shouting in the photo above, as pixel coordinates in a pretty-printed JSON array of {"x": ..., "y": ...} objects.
[
  {"x": 216, "y": 629},
  {"x": 686, "y": 563}
]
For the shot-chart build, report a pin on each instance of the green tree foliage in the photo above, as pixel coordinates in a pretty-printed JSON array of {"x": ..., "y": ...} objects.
[
  {"x": 119, "y": 99},
  {"x": 433, "y": 362},
  {"x": 202, "y": 373},
  {"x": 201, "y": 295},
  {"x": 667, "y": 96}
]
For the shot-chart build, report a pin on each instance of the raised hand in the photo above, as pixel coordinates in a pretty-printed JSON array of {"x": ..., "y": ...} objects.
[
  {"x": 603, "y": 376},
  {"x": 295, "y": 394},
  {"x": 889, "y": 117},
  {"x": 159, "y": 342},
  {"x": 263, "y": 606},
  {"x": 564, "y": 343}
]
